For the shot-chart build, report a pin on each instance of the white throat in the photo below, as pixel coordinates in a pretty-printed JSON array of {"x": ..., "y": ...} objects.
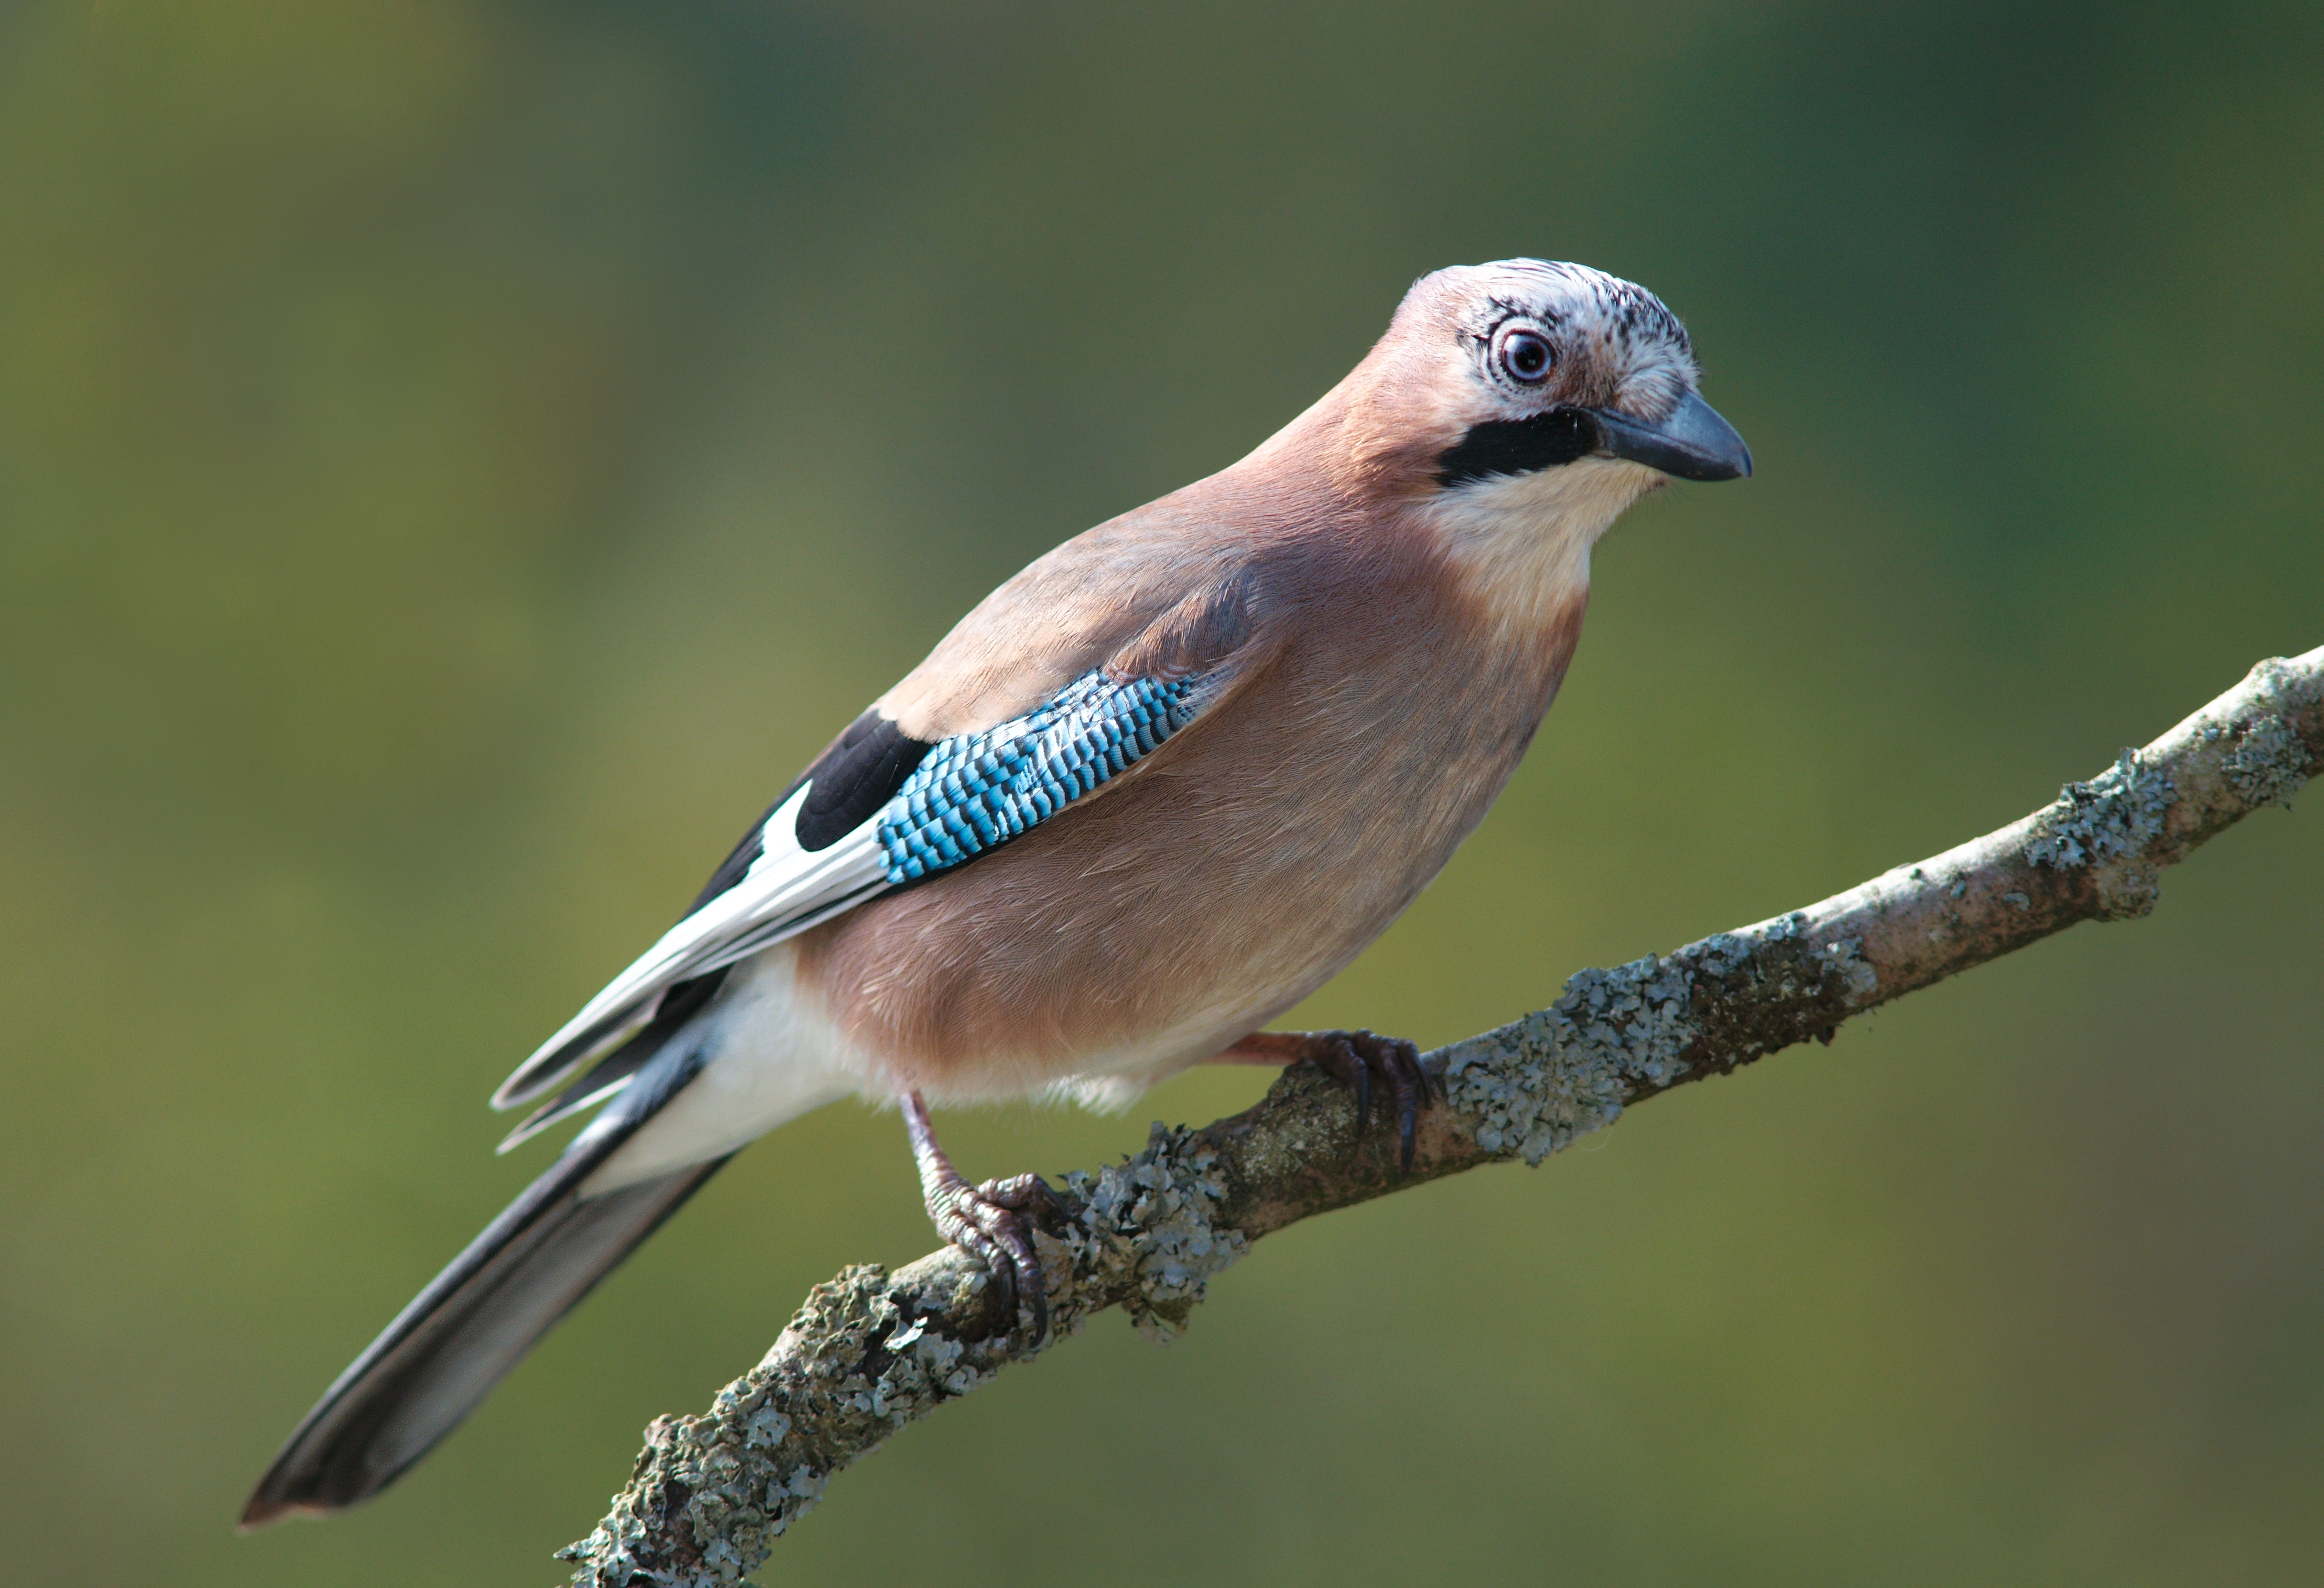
[{"x": 1522, "y": 542}]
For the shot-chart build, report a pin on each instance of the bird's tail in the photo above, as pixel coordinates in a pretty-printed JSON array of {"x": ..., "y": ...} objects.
[{"x": 445, "y": 1352}]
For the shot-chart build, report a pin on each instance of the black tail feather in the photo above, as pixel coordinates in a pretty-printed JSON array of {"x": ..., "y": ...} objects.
[{"x": 445, "y": 1352}]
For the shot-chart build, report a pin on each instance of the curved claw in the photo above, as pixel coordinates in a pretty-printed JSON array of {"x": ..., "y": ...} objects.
[
  {"x": 1347, "y": 1064},
  {"x": 989, "y": 1222},
  {"x": 1354, "y": 1058},
  {"x": 1019, "y": 1194}
]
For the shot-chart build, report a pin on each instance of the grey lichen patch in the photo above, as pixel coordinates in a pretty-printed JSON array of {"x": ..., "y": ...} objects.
[
  {"x": 871, "y": 1352},
  {"x": 1844, "y": 962},
  {"x": 2113, "y": 816},
  {"x": 1531, "y": 1089},
  {"x": 2268, "y": 763},
  {"x": 2108, "y": 823},
  {"x": 739, "y": 1475},
  {"x": 1769, "y": 985},
  {"x": 1145, "y": 1229}
]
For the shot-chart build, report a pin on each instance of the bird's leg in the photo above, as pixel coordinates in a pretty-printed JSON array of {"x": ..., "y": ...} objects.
[
  {"x": 1358, "y": 1060},
  {"x": 987, "y": 1221}
]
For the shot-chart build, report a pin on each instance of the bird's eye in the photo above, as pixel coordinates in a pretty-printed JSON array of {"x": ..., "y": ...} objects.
[{"x": 1526, "y": 356}]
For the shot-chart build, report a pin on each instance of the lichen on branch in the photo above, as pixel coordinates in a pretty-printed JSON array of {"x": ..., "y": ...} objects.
[{"x": 872, "y": 1351}]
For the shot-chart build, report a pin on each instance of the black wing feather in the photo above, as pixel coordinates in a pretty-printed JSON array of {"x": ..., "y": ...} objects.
[{"x": 859, "y": 771}]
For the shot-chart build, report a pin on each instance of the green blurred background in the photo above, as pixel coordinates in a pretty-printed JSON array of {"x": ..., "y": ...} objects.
[{"x": 458, "y": 458}]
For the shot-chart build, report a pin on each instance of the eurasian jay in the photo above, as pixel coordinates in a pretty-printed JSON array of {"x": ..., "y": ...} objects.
[{"x": 1151, "y": 793}]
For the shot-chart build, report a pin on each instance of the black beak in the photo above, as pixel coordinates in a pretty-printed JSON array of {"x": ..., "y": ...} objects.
[{"x": 1692, "y": 444}]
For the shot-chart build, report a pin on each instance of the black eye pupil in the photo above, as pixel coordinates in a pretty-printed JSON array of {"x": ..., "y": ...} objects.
[{"x": 1526, "y": 356}]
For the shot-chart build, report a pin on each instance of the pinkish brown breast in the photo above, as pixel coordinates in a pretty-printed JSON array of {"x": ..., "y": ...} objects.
[{"x": 1241, "y": 864}]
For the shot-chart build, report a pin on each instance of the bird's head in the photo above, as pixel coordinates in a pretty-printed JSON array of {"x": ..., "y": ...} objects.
[
  {"x": 1526, "y": 382},
  {"x": 1520, "y": 408}
]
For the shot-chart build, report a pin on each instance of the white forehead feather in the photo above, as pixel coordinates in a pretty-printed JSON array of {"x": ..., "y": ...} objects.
[{"x": 1631, "y": 335}]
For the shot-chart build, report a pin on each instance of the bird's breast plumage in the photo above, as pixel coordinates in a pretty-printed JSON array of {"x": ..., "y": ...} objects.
[{"x": 1242, "y": 861}]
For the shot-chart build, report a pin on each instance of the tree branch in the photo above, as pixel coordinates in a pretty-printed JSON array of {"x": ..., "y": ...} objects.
[{"x": 872, "y": 1351}]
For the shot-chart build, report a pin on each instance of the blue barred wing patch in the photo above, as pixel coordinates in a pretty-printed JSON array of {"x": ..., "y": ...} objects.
[{"x": 976, "y": 790}]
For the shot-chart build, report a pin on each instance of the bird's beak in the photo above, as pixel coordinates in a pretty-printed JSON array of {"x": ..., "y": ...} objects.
[{"x": 1694, "y": 442}]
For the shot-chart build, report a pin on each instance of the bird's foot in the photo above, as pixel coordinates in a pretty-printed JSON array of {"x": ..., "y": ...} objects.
[
  {"x": 993, "y": 1223},
  {"x": 1364, "y": 1061}
]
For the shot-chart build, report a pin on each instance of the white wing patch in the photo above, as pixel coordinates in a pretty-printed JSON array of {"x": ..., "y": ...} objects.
[
  {"x": 786, "y": 891},
  {"x": 967, "y": 795}
]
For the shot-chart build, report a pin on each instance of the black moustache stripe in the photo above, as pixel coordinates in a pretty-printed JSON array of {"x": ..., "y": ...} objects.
[{"x": 1519, "y": 446}]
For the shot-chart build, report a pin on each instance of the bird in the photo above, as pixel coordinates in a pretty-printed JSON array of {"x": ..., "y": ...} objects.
[{"x": 1144, "y": 798}]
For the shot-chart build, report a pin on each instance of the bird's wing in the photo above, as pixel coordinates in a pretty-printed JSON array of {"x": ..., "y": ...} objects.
[
  {"x": 881, "y": 810},
  {"x": 1171, "y": 566},
  {"x": 878, "y": 809}
]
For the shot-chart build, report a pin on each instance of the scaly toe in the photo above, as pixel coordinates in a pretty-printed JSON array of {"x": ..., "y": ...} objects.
[{"x": 988, "y": 1222}]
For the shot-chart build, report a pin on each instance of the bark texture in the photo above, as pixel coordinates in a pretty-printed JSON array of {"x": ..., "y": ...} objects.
[{"x": 871, "y": 1351}]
